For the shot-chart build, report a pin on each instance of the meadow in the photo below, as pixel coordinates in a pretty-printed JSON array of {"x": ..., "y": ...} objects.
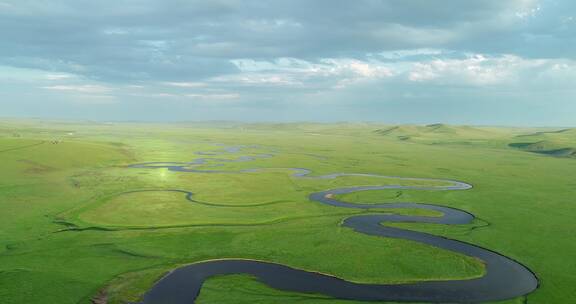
[{"x": 78, "y": 225}]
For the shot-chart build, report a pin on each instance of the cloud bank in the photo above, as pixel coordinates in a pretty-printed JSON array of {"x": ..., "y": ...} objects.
[{"x": 414, "y": 61}]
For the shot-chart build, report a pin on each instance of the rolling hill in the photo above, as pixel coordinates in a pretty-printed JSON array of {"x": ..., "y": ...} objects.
[
  {"x": 559, "y": 143},
  {"x": 438, "y": 133}
]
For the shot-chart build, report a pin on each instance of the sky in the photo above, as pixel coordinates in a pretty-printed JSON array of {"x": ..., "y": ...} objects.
[{"x": 485, "y": 62}]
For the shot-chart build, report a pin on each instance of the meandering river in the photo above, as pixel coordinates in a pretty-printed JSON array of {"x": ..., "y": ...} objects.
[{"x": 504, "y": 278}]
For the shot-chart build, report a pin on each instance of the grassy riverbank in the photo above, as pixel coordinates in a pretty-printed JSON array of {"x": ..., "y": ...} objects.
[{"x": 76, "y": 220}]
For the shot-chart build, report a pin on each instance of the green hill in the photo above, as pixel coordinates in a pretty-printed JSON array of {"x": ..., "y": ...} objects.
[
  {"x": 559, "y": 143},
  {"x": 437, "y": 133}
]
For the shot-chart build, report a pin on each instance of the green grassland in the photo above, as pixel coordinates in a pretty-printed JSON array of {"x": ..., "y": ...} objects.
[{"x": 76, "y": 222}]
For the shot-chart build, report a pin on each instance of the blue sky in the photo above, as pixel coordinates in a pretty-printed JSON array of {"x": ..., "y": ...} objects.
[{"x": 492, "y": 62}]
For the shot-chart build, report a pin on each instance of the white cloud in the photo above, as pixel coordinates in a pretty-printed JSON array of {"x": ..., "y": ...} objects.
[
  {"x": 86, "y": 88},
  {"x": 186, "y": 84},
  {"x": 257, "y": 79},
  {"x": 402, "y": 54},
  {"x": 478, "y": 70},
  {"x": 226, "y": 96},
  {"x": 324, "y": 67},
  {"x": 59, "y": 76},
  {"x": 297, "y": 72},
  {"x": 528, "y": 9},
  {"x": 445, "y": 68},
  {"x": 354, "y": 68}
]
